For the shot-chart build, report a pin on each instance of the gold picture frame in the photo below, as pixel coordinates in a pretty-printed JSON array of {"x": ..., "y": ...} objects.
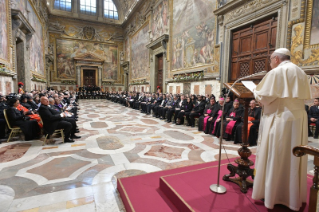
[
  {"x": 309, "y": 20},
  {"x": 8, "y": 60}
]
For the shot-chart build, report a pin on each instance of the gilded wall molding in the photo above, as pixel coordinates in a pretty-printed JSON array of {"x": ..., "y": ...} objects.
[{"x": 8, "y": 62}]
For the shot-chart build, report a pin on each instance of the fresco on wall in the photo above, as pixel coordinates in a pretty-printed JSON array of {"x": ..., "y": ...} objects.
[
  {"x": 127, "y": 49},
  {"x": 193, "y": 33},
  {"x": 314, "y": 36},
  {"x": 36, "y": 43},
  {"x": 3, "y": 31},
  {"x": 160, "y": 21},
  {"x": 20, "y": 5},
  {"x": 67, "y": 50},
  {"x": 140, "y": 54}
]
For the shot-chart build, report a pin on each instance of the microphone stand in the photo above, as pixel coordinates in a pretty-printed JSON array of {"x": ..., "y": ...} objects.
[{"x": 217, "y": 188}]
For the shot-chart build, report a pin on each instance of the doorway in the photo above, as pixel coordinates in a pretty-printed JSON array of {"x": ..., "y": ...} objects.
[
  {"x": 251, "y": 48},
  {"x": 89, "y": 77},
  {"x": 159, "y": 71}
]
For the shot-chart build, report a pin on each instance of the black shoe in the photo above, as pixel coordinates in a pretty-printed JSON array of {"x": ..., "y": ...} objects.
[
  {"x": 68, "y": 141},
  {"x": 75, "y": 137},
  {"x": 193, "y": 125},
  {"x": 315, "y": 137},
  {"x": 77, "y": 131},
  {"x": 168, "y": 121}
]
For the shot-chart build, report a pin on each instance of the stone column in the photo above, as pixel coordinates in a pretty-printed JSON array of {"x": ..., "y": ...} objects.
[
  {"x": 78, "y": 76},
  {"x": 100, "y": 76}
]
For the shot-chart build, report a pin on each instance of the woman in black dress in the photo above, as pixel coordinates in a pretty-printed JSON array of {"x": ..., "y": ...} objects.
[
  {"x": 30, "y": 128},
  {"x": 185, "y": 108}
]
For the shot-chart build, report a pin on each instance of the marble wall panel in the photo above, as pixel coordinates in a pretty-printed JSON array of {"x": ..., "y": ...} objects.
[
  {"x": 196, "y": 89},
  {"x": 8, "y": 87},
  {"x": 208, "y": 89},
  {"x": 178, "y": 89}
]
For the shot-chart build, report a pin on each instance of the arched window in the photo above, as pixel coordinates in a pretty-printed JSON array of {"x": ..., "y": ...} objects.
[
  {"x": 88, "y": 7},
  {"x": 110, "y": 10},
  {"x": 65, "y": 5}
]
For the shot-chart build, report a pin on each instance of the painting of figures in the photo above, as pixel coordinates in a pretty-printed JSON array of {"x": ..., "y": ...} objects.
[
  {"x": 160, "y": 20},
  {"x": 20, "y": 5},
  {"x": 67, "y": 50},
  {"x": 193, "y": 33},
  {"x": 36, "y": 43},
  {"x": 4, "y": 31},
  {"x": 140, "y": 54},
  {"x": 314, "y": 36},
  {"x": 127, "y": 49}
]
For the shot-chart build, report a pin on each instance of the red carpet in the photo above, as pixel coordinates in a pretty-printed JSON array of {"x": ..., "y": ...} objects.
[{"x": 188, "y": 189}]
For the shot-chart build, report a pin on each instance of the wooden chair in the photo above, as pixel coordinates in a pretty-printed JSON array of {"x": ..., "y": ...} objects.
[
  {"x": 14, "y": 130},
  {"x": 56, "y": 132},
  {"x": 300, "y": 151}
]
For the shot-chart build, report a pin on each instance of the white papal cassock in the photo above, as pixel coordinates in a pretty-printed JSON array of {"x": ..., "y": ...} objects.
[{"x": 281, "y": 178}]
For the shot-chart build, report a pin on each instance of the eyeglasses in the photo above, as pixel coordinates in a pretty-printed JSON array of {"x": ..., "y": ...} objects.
[{"x": 271, "y": 58}]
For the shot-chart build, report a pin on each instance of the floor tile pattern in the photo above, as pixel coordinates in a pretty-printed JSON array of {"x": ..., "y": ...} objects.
[{"x": 116, "y": 142}]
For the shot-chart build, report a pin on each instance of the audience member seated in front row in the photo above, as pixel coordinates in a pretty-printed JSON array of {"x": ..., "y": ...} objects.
[
  {"x": 3, "y": 106},
  {"x": 198, "y": 109},
  {"x": 52, "y": 120},
  {"x": 175, "y": 108},
  {"x": 208, "y": 113},
  {"x": 233, "y": 118},
  {"x": 69, "y": 117},
  {"x": 254, "y": 114},
  {"x": 30, "y": 128},
  {"x": 28, "y": 112},
  {"x": 186, "y": 108},
  {"x": 313, "y": 116}
]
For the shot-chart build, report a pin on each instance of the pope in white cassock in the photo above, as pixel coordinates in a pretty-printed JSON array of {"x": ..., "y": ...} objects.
[{"x": 281, "y": 178}]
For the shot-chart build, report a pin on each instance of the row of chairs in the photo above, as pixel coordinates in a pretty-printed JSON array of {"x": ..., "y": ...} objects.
[{"x": 15, "y": 130}]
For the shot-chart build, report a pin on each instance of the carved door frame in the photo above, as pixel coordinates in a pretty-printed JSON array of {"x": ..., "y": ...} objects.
[{"x": 229, "y": 23}]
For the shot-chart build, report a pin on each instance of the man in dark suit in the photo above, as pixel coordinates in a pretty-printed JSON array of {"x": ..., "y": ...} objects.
[
  {"x": 3, "y": 106},
  {"x": 313, "y": 116},
  {"x": 52, "y": 120},
  {"x": 197, "y": 111}
]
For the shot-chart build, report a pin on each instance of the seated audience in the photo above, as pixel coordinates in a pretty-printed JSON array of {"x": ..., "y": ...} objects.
[
  {"x": 3, "y": 106},
  {"x": 313, "y": 116},
  {"x": 254, "y": 114},
  {"x": 233, "y": 118},
  {"x": 30, "y": 128},
  {"x": 198, "y": 109},
  {"x": 52, "y": 120},
  {"x": 219, "y": 115},
  {"x": 174, "y": 108},
  {"x": 208, "y": 113},
  {"x": 186, "y": 108}
]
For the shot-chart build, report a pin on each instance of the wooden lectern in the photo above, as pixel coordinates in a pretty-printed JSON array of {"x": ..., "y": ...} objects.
[{"x": 243, "y": 169}]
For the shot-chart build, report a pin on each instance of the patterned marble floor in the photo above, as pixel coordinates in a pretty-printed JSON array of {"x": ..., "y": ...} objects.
[{"x": 116, "y": 142}]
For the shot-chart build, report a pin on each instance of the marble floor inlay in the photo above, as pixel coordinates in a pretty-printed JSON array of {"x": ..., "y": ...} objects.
[{"x": 116, "y": 142}]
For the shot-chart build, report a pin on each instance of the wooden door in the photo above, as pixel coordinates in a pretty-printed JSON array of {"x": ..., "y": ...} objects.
[
  {"x": 89, "y": 77},
  {"x": 252, "y": 47},
  {"x": 160, "y": 72}
]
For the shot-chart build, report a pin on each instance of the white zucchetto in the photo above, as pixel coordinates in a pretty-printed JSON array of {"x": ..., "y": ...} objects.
[{"x": 283, "y": 51}]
